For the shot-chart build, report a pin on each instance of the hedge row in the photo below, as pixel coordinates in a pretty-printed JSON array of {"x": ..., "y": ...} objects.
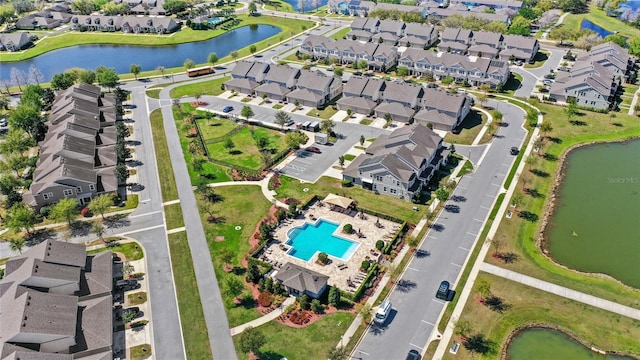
[{"x": 396, "y": 239}]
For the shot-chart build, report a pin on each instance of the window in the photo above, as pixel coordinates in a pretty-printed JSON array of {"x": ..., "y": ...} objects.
[
  {"x": 393, "y": 191},
  {"x": 92, "y": 187},
  {"x": 378, "y": 178},
  {"x": 79, "y": 189},
  {"x": 384, "y": 189},
  {"x": 47, "y": 196},
  {"x": 67, "y": 192}
]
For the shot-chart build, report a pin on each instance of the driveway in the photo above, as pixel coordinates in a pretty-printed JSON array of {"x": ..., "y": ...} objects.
[
  {"x": 445, "y": 248},
  {"x": 530, "y": 76}
]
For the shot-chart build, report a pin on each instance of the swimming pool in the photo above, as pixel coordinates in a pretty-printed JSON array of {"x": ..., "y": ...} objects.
[
  {"x": 215, "y": 20},
  {"x": 308, "y": 239}
]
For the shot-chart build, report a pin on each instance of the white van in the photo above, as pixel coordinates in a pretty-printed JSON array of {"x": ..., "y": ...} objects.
[{"x": 382, "y": 313}]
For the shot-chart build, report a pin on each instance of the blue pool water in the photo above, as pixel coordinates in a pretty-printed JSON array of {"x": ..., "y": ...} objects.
[
  {"x": 215, "y": 20},
  {"x": 309, "y": 239}
]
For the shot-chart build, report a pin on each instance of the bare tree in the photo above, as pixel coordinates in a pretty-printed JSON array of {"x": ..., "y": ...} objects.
[
  {"x": 35, "y": 75},
  {"x": 17, "y": 76}
]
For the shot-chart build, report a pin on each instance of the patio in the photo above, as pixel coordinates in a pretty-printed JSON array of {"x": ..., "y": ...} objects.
[{"x": 340, "y": 272}]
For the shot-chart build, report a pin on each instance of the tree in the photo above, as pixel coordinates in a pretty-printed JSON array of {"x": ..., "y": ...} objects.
[
  {"x": 107, "y": 77},
  {"x": 463, "y": 328},
  {"x": 252, "y": 8},
  {"x": 337, "y": 353},
  {"x": 618, "y": 39},
  {"x": 516, "y": 199},
  {"x": 316, "y": 306},
  {"x": 87, "y": 76},
  {"x": 14, "y": 161},
  {"x": 430, "y": 216},
  {"x": 634, "y": 46},
  {"x": 17, "y": 244},
  {"x": 233, "y": 287},
  {"x": 121, "y": 172},
  {"x": 21, "y": 217},
  {"x": 545, "y": 128},
  {"x": 362, "y": 64},
  {"x": 129, "y": 315},
  {"x": 252, "y": 49},
  {"x": 135, "y": 70},
  {"x": 228, "y": 144},
  {"x": 62, "y": 81},
  {"x": 442, "y": 194},
  {"x": 327, "y": 126},
  {"x": 26, "y": 117},
  {"x": 246, "y": 112},
  {"x": 98, "y": 229},
  {"x": 281, "y": 118},
  {"x": 341, "y": 160},
  {"x": 482, "y": 98},
  {"x": 17, "y": 141},
  {"x": 532, "y": 116},
  {"x": 212, "y": 58},
  {"x": 234, "y": 54},
  {"x": 251, "y": 340},
  {"x": 362, "y": 139},
  {"x": 365, "y": 311},
  {"x": 189, "y": 64},
  {"x": 403, "y": 71},
  {"x": 520, "y": 26},
  {"x": 334, "y": 296},
  {"x": 100, "y": 204},
  {"x": 571, "y": 110},
  {"x": 8, "y": 184},
  {"x": 538, "y": 145},
  {"x": 413, "y": 242},
  {"x": 66, "y": 209},
  {"x": 338, "y": 72},
  {"x": 226, "y": 256},
  {"x": 393, "y": 271},
  {"x": 531, "y": 161},
  {"x": 294, "y": 139},
  {"x": 388, "y": 119}
]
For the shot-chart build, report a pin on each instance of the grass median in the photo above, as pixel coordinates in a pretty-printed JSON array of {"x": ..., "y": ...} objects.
[
  {"x": 173, "y": 216},
  {"x": 165, "y": 170}
]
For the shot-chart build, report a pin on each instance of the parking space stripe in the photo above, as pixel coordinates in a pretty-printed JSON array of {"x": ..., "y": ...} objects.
[
  {"x": 465, "y": 249},
  {"x": 454, "y": 264}
]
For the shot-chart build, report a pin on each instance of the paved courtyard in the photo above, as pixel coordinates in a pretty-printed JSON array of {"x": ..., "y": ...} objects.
[{"x": 339, "y": 276}]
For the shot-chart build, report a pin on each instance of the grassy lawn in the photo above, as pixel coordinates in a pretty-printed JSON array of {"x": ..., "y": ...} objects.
[
  {"x": 194, "y": 328},
  {"x": 210, "y": 172},
  {"x": 519, "y": 234},
  {"x": 140, "y": 352},
  {"x": 215, "y": 127},
  {"x": 349, "y": 157},
  {"x": 211, "y": 87},
  {"x": 325, "y": 113},
  {"x": 154, "y": 93},
  {"x": 366, "y": 121},
  {"x": 173, "y": 215},
  {"x": 130, "y": 250},
  {"x": 242, "y": 206},
  {"x": 513, "y": 83},
  {"x": 539, "y": 59},
  {"x": 599, "y": 328},
  {"x": 341, "y": 34},
  {"x": 468, "y": 129},
  {"x": 311, "y": 342},
  {"x": 137, "y": 298},
  {"x": 278, "y": 5},
  {"x": 367, "y": 199},
  {"x": 467, "y": 168},
  {"x": 165, "y": 170},
  {"x": 185, "y": 35},
  {"x": 599, "y": 17},
  {"x": 246, "y": 153}
]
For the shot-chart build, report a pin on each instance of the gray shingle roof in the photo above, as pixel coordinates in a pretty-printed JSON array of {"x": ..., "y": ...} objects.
[{"x": 301, "y": 279}]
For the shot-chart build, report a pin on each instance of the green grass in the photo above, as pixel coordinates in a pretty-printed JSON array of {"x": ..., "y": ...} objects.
[
  {"x": 311, "y": 342},
  {"x": 215, "y": 127},
  {"x": 513, "y": 83},
  {"x": 194, "y": 328},
  {"x": 599, "y": 328},
  {"x": 349, "y": 157},
  {"x": 246, "y": 153},
  {"x": 366, "y": 199},
  {"x": 165, "y": 170},
  {"x": 281, "y": 6},
  {"x": 137, "y": 298},
  {"x": 154, "y": 93},
  {"x": 466, "y": 168},
  {"x": 519, "y": 234},
  {"x": 140, "y": 352},
  {"x": 325, "y": 113},
  {"x": 211, "y": 87},
  {"x": 599, "y": 17},
  {"x": 131, "y": 250},
  {"x": 277, "y": 106},
  {"x": 242, "y": 206},
  {"x": 173, "y": 215},
  {"x": 468, "y": 130},
  {"x": 366, "y": 121},
  {"x": 341, "y": 34}
]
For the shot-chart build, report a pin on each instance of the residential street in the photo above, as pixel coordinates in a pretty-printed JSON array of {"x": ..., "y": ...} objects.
[
  {"x": 445, "y": 249},
  {"x": 530, "y": 76}
]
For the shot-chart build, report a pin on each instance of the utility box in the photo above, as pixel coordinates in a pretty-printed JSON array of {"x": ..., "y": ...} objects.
[{"x": 320, "y": 138}]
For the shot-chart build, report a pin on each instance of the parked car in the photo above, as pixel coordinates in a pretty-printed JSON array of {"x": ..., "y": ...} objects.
[
  {"x": 563, "y": 68},
  {"x": 549, "y": 76},
  {"x": 134, "y": 309},
  {"x": 518, "y": 63},
  {"x": 443, "y": 291},
  {"x": 227, "y": 109},
  {"x": 3, "y": 122},
  {"x": 313, "y": 149},
  {"x": 547, "y": 81},
  {"x": 514, "y": 150},
  {"x": 432, "y": 85},
  {"x": 127, "y": 282},
  {"x": 544, "y": 90},
  {"x": 413, "y": 355},
  {"x": 289, "y": 122}
]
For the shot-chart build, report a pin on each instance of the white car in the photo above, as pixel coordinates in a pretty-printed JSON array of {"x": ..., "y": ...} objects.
[{"x": 3, "y": 122}]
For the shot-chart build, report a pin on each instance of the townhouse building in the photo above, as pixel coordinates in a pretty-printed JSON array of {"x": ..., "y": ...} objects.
[
  {"x": 443, "y": 110},
  {"x": 379, "y": 57},
  {"x": 278, "y": 82},
  {"x": 126, "y": 24},
  {"x": 14, "y": 41},
  {"x": 519, "y": 47},
  {"x": 361, "y": 94},
  {"x": 400, "y": 101},
  {"x": 43, "y": 20},
  {"x": 246, "y": 76},
  {"x": 392, "y": 32},
  {"x": 315, "y": 89}
]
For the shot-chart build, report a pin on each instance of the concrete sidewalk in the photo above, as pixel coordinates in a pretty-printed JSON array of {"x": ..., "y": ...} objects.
[
  {"x": 264, "y": 319},
  {"x": 562, "y": 291}
]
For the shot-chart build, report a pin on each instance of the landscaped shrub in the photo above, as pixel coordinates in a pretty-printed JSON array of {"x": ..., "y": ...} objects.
[
  {"x": 300, "y": 317},
  {"x": 347, "y": 183},
  {"x": 316, "y": 306},
  {"x": 268, "y": 285},
  {"x": 348, "y": 228},
  {"x": 323, "y": 258},
  {"x": 265, "y": 299},
  {"x": 334, "y": 296},
  {"x": 253, "y": 274},
  {"x": 379, "y": 244},
  {"x": 365, "y": 265},
  {"x": 281, "y": 215},
  {"x": 303, "y": 301}
]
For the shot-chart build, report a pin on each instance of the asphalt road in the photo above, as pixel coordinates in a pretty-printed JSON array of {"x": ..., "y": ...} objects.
[
  {"x": 532, "y": 76},
  {"x": 444, "y": 249}
]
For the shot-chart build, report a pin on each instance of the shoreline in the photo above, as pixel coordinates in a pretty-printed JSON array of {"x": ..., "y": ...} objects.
[
  {"x": 515, "y": 332},
  {"x": 542, "y": 240}
]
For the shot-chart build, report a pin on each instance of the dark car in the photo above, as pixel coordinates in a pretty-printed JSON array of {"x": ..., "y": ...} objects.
[
  {"x": 514, "y": 150},
  {"x": 313, "y": 149},
  {"x": 227, "y": 109},
  {"x": 135, "y": 310},
  {"x": 549, "y": 76},
  {"x": 443, "y": 291},
  {"x": 358, "y": 73},
  {"x": 432, "y": 85},
  {"x": 413, "y": 355},
  {"x": 544, "y": 90}
]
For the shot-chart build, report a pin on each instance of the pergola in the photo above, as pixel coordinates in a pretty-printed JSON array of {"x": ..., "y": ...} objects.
[{"x": 337, "y": 200}]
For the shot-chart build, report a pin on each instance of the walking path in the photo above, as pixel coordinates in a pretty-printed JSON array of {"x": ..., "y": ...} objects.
[
  {"x": 264, "y": 319},
  {"x": 558, "y": 23},
  {"x": 562, "y": 291},
  {"x": 485, "y": 128},
  {"x": 634, "y": 102}
]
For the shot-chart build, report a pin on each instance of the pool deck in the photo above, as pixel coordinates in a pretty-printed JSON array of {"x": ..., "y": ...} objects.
[{"x": 276, "y": 254}]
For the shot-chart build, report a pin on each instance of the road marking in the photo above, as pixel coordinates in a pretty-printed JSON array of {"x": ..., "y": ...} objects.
[
  {"x": 432, "y": 237},
  {"x": 498, "y": 174},
  {"x": 454, "y": 264},
  {"x": 145, "y": 200},
  {"x": 492, "y": 184},
  {"x": 145, "y": 214},
  {"x": 410, "y": 268},
  {"x": 465, "y": 249},
  {"x": 139, "y": 230},
  {"x": 472, "y": 234},
  {"x": 416, "y": 346},
  {"x": 478, "y": 220},
  {"x": 489, "y": 195},
  {"x": 462, "y": 187},
  {"x": 438, "y": 301},
  {"x": 426, "y": 322},
  {"x": 362, "y": 352},
  {"x": 484, "y": 207}
]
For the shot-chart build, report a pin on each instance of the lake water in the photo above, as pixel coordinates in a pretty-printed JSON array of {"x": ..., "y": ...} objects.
[
  {"x": 306, "y": 5},
  {"x": 545, "y": 344},
  {"x": 596, "y": 224},
  {"x": 602, "y": 32},
  {"x": 629, "y": 10},
  {"x": 121, "y": 57}
]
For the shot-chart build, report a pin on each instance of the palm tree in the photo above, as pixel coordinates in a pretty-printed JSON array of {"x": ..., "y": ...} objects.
[
  {"x": 545, "y": 128},
  {"x": 365, "y": 311},
  {"x": 388, "y": 119},
  {"x": 17, "y": 244},
  {"x": 531, "y": 161}
]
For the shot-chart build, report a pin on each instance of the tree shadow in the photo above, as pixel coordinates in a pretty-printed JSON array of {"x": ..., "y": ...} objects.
[
  {"x": 235, "y": 152},
  {"x": 550, "y": 157},
  {"x": 270, "y": 355},
  {"x": 508, "y": 257},
  {"x": 540, "y": 173},
  {"x": 528, "y": 216},
  {"x": 38, "y": 236},
  {"x": 80, "y": 228},
  {"x": 578, "y": 123},
  {"x": 405, "y": 285},
  {"x": 239, "y": 270},
  {"x": 617, "y": 124},
  {"x": 533, "y": 193},
  {"x": 117, "y": 221},
  {"x": 555, "y": 140}
]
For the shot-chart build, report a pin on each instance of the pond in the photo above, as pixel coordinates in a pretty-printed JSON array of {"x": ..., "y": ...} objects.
[
  {"x": 602, "y": 32},
  {"x": 629, "y": 10},
  {"x": 306, "y": 5},
  {"x": 121, "y": 57},
  {"x": 594, "y": 227},
  {"x": 544, "y": 344}
]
